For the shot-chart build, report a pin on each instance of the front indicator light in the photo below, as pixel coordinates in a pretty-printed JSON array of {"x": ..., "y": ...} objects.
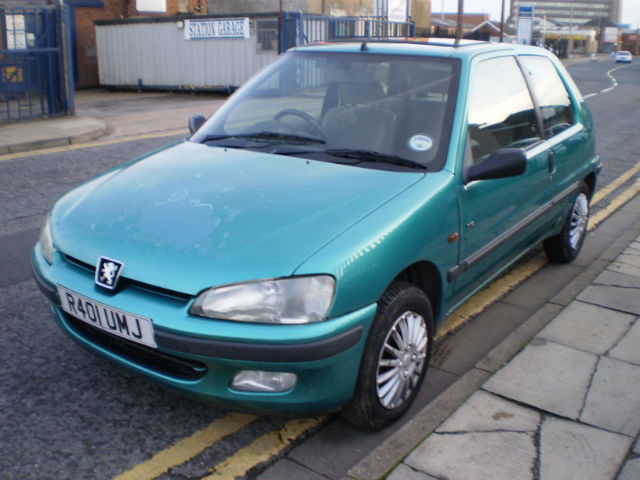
[{"x": 263, "y": 382}]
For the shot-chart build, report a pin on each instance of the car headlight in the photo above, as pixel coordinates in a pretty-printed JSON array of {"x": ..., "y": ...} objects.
[
  {"x": 280, "y": 301},
  {"x": 46, "y": 243}
]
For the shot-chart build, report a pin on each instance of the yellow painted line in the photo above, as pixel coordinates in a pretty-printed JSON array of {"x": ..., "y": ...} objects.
[
  {"x": 614, "y": 185},
  {"x": 261, "y": 449},
  {"x": 187, "y": 448},
  {"x": 99, "y": 143},
  {"x": 615, "y": 204}
]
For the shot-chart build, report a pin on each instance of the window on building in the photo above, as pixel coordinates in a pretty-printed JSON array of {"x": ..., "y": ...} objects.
[
  {"x": 267, "y": 33},
  {"x": 16, "y": 32}
]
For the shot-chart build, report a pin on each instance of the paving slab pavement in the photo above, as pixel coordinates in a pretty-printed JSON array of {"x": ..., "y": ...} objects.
[
  {"x": 105, "y": 115},
  {"x": 51, "y": 132},
  {"x": 129, "y": 113},
  {"x": 567, "y": 406}
]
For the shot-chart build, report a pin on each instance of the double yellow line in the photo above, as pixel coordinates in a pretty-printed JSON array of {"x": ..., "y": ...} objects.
[{"x": 260, "y": 450}]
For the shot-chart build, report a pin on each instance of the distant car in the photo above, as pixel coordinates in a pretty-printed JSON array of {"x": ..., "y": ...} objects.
[
  {"x": 623, "y": 57},
  {"x": 299, "y": 251},
  {"x": 593, "y": 57}
]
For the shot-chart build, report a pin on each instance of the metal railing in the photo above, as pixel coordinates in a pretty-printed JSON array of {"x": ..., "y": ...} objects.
[{"x": 300, "y": 29}]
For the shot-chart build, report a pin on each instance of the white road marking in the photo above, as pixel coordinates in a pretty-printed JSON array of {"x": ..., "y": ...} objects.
[{"x": 614, "y": 83}]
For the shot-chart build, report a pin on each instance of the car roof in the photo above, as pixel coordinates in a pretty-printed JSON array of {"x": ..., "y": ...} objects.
[{"x": 437, "y": 47}]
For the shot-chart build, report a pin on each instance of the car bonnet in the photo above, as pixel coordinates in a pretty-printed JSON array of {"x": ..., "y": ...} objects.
[{"x": 193, "y": 216}]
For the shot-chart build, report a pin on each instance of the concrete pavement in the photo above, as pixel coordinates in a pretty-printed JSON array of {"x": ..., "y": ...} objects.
[
  {"x": 52, "y": 132},
  {"x": 104, "y": 115},
  {"x": 566, "y": 406}
]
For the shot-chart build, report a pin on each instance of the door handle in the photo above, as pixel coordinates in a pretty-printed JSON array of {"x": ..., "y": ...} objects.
[{"x": 552, "y": 161}]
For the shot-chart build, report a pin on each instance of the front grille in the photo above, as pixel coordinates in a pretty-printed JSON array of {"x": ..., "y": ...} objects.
[
  {"x": 160, "y": 362},
  {"x": 126, "y": 282},
  {"x": 78, "y": 263}
]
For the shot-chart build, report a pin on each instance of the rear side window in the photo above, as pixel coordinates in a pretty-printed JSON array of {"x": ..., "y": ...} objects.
[
  {"x": 501, "y": 112},
  {"x": 551, "y": 94}
]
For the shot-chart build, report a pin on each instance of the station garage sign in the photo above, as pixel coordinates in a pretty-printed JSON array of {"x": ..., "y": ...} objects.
[{"x": 217, "y": 28}]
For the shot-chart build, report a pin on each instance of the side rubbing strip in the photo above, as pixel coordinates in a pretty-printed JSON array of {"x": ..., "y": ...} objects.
[{"x": 501, "y": 239}]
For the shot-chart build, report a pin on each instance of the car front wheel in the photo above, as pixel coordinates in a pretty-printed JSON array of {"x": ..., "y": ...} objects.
[{"x": 395, "y": 359}]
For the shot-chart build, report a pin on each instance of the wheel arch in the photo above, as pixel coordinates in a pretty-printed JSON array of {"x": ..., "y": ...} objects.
[{"x": 426, "y": 277}]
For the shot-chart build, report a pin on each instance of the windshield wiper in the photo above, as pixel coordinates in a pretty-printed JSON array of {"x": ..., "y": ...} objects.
[
  {"x": 265, "y": 136},
  {"x": 370, "y": 155}
]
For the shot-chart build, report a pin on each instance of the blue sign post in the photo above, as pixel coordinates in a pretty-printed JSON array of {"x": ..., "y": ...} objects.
[{"x": 524, "y": 33}]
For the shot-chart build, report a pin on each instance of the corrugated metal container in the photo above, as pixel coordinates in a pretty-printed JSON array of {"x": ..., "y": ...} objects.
[
  {"x": 156, "y": 55},
  {"x": 154, "y": 52}
]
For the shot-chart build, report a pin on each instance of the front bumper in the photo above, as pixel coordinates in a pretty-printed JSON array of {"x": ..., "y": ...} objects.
[{"x": 201, "y": 356}]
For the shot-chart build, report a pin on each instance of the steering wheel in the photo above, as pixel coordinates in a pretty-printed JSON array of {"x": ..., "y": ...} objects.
[{"x": 303, "y": 115}]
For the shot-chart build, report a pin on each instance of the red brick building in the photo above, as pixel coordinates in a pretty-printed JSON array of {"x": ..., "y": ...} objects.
[{"x": 630, "y": 41}]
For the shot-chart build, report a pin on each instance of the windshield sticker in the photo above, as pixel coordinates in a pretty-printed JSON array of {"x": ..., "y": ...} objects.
[{"x": 420, "y": 143}]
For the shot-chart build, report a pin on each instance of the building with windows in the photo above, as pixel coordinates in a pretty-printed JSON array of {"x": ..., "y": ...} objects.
[{"x": 571, "y": 12}]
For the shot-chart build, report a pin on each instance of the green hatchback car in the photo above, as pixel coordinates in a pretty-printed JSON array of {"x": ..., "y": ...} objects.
[{"x": 298, "y": 252}]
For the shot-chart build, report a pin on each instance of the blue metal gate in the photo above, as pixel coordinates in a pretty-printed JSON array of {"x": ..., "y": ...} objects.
[{"x": 32, "y": 79}]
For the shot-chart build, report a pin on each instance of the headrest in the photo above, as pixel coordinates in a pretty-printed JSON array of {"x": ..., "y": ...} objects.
[{"x": 359, "y": 93}]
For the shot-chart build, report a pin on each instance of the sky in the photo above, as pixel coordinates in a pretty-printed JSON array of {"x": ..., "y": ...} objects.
[{"x": 630, "y": 9}]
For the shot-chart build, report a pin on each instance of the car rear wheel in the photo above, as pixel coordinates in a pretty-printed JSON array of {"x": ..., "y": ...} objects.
[
  {"x": 395, "y": 359},
  {"x": 565, "y": 246}
]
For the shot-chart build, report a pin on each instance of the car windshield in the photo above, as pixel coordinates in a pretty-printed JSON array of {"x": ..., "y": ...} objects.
[{"x": 354, "y": 108}]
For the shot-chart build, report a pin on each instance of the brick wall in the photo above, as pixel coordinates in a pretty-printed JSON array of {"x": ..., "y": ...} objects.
[{"x": 86, "y": 55}]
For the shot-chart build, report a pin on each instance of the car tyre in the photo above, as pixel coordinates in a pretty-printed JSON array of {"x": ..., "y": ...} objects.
[
  {"x": 565, "y": 246},
  {"x": 395, "y": 358}
]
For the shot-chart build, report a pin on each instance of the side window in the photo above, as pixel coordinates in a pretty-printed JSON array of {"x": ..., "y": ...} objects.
[
  {"x": 550, "y": 93},
  {"x": 501, "y": 112}
]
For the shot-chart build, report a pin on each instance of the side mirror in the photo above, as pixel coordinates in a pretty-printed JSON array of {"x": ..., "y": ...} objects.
[
  {"x": 508, "y": 162},
  {"x": 195, "y": 122}
]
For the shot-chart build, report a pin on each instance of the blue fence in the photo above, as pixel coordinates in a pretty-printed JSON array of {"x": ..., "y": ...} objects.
[
  {"x": 32, "y": 79},
  {"x": 299, "y": 29}
]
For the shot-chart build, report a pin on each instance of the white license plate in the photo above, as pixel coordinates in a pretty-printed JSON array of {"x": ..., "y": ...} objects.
[{"x": 117, "y": 322}]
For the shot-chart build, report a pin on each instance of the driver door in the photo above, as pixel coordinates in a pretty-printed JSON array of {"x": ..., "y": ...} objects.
[{"x": 498, "y": 216}]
